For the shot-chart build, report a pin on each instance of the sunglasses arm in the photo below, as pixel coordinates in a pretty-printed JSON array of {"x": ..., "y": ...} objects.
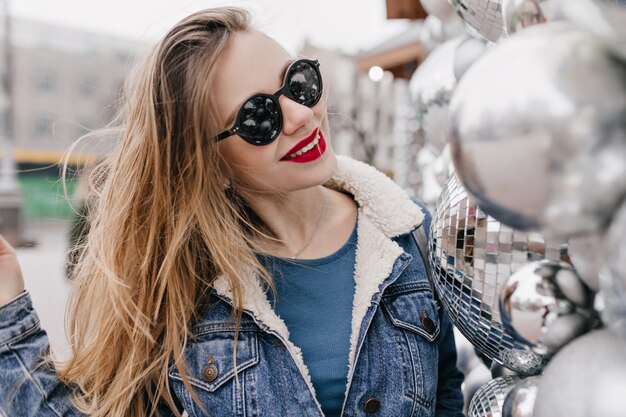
[{"x": 226, "y": 134}]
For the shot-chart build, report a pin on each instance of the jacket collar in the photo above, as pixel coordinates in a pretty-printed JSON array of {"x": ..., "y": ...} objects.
[
  {"x": 380, "y": 199},
  {"x": 385, "y": 211}
]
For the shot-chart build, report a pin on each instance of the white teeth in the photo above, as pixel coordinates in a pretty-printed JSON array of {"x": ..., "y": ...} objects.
[{"x": 307, "y": 147}]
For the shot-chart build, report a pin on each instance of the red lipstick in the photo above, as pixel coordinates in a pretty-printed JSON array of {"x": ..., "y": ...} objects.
[{"x": 308, "y": 151}]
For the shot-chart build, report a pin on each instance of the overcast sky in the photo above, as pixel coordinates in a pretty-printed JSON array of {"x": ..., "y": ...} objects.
[{"x": 349, "y": 25}]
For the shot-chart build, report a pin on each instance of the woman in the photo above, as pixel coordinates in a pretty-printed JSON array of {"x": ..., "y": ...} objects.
[{"x": 234, "y": 264}]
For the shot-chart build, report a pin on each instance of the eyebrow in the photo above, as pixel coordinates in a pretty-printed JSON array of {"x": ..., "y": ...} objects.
[{"x": 231, "y": 118}]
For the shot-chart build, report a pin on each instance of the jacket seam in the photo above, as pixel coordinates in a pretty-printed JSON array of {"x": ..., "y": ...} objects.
[
  {"x": 369, "y": 322},
  {"x": 216, "y": 328},
  {"x": 22, "y": 334},
  {"x": 405, "y": 288},
  {"x": 34, "y": 381}
]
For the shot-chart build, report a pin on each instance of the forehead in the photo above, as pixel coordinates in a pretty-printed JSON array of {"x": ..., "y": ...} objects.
[{"x": 252, "y": 63}]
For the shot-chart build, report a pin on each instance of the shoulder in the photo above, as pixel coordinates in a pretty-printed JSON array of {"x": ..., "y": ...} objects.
[
  {"x": 380, "y": 199},
  {"x": 426, "y": 222}
]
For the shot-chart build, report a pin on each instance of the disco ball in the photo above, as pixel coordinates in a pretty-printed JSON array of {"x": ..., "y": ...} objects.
[
  {"x": 435, "y": 32},
  {"x": 488, "y": 400},
  {"x": 474, "y": 380},
  {"x": 467, "y": 52},
  {"x": 587, "y": 378},
  {"x": 434, "y": 81},
  {"x": 443, "y": 166},
  {"x": 613, "y": 274},
  {"x": 485, "y": 16},
  {"x": 472, "y": 256},
  {"x": 431, "y": 88},
  {"x": 442, "y": 9},
  {"x": 520, "y": 14},
  {"x": 538, "y": 131},
  {"x": 520, "y": 401},
  {"x": 604, "y": 18},
  {"x": 587, "y": 255},
  {"x": 537, "y": 301}
]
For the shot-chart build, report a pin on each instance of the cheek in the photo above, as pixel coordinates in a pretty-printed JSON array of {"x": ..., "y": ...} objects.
[{"x": 247, "y": 162}]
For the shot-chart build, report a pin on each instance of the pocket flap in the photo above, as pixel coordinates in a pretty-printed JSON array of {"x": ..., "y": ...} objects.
[
  {"x": 412, "y": 307},
  {"x": 218, "y": 346}
]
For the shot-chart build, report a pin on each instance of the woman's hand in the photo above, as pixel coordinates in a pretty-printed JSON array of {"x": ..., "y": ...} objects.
[{"x": 11, "y": 280}]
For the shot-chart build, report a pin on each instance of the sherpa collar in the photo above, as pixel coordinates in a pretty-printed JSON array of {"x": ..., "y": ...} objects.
[
  {"x": 384, "y": 203},
  {"x": 385, "y": 211}
]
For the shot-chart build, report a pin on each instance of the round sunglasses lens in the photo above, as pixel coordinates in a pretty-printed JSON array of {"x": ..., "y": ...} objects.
[
  {"x": 259, "y": 120},
  {"x": 304, "y": 83}
]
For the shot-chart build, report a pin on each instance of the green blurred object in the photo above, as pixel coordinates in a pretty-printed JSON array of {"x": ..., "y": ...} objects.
[{"x": 44, "y": 197}]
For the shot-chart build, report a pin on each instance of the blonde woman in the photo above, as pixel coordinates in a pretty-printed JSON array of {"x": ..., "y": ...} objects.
[{"x": 234, "y": 265}]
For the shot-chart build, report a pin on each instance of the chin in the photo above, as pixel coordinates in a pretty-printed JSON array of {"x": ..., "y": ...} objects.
[{"x": 316, "y": 175}]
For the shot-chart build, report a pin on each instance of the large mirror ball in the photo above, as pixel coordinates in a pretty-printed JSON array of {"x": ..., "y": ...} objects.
[
  {"x": 490, "y": 398},
  {"x": 472, "y": 256},
  {"x": 537, "y": 131},
  {"x": 484, "y": 16}
]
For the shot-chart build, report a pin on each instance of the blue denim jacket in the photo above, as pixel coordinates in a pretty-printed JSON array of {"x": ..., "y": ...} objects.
[{"x": 402, "y": 356}]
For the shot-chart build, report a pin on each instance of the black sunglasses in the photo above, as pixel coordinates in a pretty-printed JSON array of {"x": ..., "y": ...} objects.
[{"x": 260, "y": 120}]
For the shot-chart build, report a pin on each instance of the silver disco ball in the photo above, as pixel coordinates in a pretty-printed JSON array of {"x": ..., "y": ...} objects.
[
  {"x": 442, "y": 9},
  {"x": 472, "y": 256},
  {"x": 604, "y": 18},
  {"x": 520, "y": 401},
  {"x": 545, "y": 304},
  {"x": 468, "y": 51},
  {"x": 433, "y": 84},
  {"x": 538, "y": 131},
  {"x": 488, "y": 400},
  {"x": 485, "y": 16},
  {"x": 431, "y": 88},
  {"x": 587, "y": 255},
  {"x": 613, "y": 274},
  {"x": 435, "y": 32},
  {"x": 520, "y": 14},
  {"x": 587, "y": 378}
]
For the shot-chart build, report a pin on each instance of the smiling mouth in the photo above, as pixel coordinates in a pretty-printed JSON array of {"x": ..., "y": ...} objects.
[
  {"x": 306, "y": 148},
  {"x": 303, "y": 146}
]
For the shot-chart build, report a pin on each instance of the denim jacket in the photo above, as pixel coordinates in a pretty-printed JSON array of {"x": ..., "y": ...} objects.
[{"x": 402, "y": 354}]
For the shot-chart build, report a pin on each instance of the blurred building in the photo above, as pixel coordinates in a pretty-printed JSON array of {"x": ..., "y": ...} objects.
[
  {"x": 65, "y": 82},
  {"x": 401, "y": 54},
  {"x": 368, "y": 101}
]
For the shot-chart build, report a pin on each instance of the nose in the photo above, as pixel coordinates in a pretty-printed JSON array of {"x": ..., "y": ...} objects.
[{"x": 295, "y": 115}]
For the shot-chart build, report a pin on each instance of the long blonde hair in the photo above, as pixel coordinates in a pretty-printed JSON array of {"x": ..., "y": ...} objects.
[{"x": 161, "y": 229}]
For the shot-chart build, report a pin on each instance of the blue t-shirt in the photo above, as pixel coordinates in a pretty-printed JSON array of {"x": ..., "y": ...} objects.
[{"x": 314, "y": 298}]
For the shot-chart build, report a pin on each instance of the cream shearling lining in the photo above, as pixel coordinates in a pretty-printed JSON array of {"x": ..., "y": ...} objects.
[{"x": 385, "y": 211}]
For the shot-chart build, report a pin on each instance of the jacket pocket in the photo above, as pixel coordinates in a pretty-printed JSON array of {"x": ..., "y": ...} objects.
[
  {"x": 210, "y": 355},
  {"x": 412, "y": 307},
  {"x": 412, "y": 311}
]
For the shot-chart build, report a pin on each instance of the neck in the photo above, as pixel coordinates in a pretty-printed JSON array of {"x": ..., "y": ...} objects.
[{"x": 293, "y": 217}]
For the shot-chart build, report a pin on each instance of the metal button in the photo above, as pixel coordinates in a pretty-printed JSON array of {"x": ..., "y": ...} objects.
[
  {"x": 427, "y": 322},
  {"x": 210, "y": 372},
  {"x": 372, "y": 405}
]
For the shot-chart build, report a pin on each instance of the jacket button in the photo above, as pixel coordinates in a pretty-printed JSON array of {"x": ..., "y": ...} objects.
[
  {"x": 210, "y": 372},
  {"x": 372, "y": 405},
  {"x": 428, "y": 324}
]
